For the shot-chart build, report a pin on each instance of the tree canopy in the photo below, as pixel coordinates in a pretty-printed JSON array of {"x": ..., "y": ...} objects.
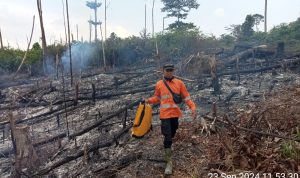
[
  {"x": 172, "y": 46},
  {"x": 180, "y": 10}
]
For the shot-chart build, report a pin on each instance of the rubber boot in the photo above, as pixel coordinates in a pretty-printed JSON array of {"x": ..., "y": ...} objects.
[{"x": 168, "y": 159}]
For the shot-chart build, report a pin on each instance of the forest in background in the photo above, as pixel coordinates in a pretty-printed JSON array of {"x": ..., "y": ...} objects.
[{"x": 178, "y": 41}]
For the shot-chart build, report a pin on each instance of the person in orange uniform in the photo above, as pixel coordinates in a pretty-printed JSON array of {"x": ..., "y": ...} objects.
[{"x": 169, "y": 111}]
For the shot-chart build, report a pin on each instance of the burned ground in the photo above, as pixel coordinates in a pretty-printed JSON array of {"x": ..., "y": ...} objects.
[{"x": 84, "y": 130}]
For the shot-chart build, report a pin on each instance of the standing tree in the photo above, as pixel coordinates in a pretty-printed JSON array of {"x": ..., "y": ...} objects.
[
  {"x": 266, "y": 5},
  {"x": 153, "y": 18},
  {"x": 94, "y": 6},
  {"x": 112, "y": 47},
  {"x": 64, "y": 21},
  {"x": 247, "y": 26},
  {"x": 44, "y": 44},
  {"x": 179, "y": 9},
  {"x": 90, "y": 27},
  {"x": 103, "y": 48},
  {"x": 69, "y": 43},
  {"x": 235, "y": 31},
  {"x": 105, "y": 19},
  {"x": 77, "y": 33},
  {"x": 1, "y": 40},
  {"x": 145, "y": 28},
  {"x": 28, "y": 46},
  {"x": 257, "y": 19}
]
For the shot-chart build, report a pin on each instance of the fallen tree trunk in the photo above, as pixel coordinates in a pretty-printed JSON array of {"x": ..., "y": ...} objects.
[
  {"x": 85, "y": 130},
  {"x": 150, "y": 88},
  {"x": 181, "y": 78},
  {"x": 242, "y": 55},
  {"x": 251, "y": 52},
  {"x": 99, "y": 122},
  {"x": 107, "y": 88},
  {"x": 54, "y": 138},
  {"x": 92, "y": 148},
  {"x": 49, "y": 114},
  {"x": 293, "y": 62},
  {"x": 34, "y": 104},
  {"x": 8, "y": 84},
  {"x": 112, "y": 167}
]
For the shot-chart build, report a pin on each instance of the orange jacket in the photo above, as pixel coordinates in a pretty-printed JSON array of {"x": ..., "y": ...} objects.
[{"x": 168, "y": 108}]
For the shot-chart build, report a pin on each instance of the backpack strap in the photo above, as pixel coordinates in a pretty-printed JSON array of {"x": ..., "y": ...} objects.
[{"x": 165, "y": 82}]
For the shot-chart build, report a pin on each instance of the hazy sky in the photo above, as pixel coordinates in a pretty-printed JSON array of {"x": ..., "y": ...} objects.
[{"x": 126, "y": 17}]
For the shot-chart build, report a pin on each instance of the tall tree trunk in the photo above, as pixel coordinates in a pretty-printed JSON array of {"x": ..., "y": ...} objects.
[
  {"x": 70, "y": 52},
  {"x": 153, "y": 19},
  {"x": 157, "y": 56},
  {"x": 57, "y": 63},
  {"x": 95, "y": 10},
  {"x": 18, "y": 43},
  {"x": 238, "y": 70},
  {"x": 44, "y": 44},
  {"x": 77, "y": 32},
  {"x": 266, "y": 8},
  {"x": 145, "y": 32},
  {"x": 105, "y": 19},
  {"x": 64, "y": 21},
  {"x": 103, "y": 49},
  {"x": 90, "y": 25},
  {"x": 28, "y": 46},
  {"x": 1, "y": 40}
]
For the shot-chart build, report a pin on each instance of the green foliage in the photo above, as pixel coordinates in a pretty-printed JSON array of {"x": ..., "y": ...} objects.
[
  {"x": 112, "y": 49},
  {"x": 298, "y": 132},
  {"x": 280, "y": 32},
  {"x": 247, "y": 28},
  {"x": 181, "y": 26},
  {"x": 179, "y": 43},
  {"x": 244, "y": 33},
  {"x": 288, "y": 33},
  {"x": 179, "y": 9},
  {"x": 290, "y": 149},
  {"x": 259, "y": 37},
  {"x": 10, "y": 58},
  {"x": 235, "y": 30},
  {"x": 295, "y": 29},
  {"x": 93, "y": 4},
  {"x": 257, "y": 19},
  {"x": 226, "y": 41},
  {"x": 35, "y": 54}
]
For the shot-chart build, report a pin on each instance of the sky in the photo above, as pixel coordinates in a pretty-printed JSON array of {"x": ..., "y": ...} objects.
[{"x": 126, "y": 17}]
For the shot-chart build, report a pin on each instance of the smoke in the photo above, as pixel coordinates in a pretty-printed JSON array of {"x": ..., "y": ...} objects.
[{"x": 81, "y": 54}]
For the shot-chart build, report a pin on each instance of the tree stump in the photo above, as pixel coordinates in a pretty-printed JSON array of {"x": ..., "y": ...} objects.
[
  {"x": 213, "y": 71},
  {"x": 25, "y": 153}
]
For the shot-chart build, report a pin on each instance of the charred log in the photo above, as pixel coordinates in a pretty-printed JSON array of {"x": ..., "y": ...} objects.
[
  {"x": 107, "y": 96},
  {"x": 99, "y": 122},
  {"x": 92, "y": 148},
  {"x": 292, "y": 63},
  {"x": 48, "y": 114},
  {"x": 111, "y": 168}
]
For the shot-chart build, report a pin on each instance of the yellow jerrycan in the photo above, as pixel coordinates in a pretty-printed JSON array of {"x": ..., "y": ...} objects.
[{"x": 143, "y": 121}]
